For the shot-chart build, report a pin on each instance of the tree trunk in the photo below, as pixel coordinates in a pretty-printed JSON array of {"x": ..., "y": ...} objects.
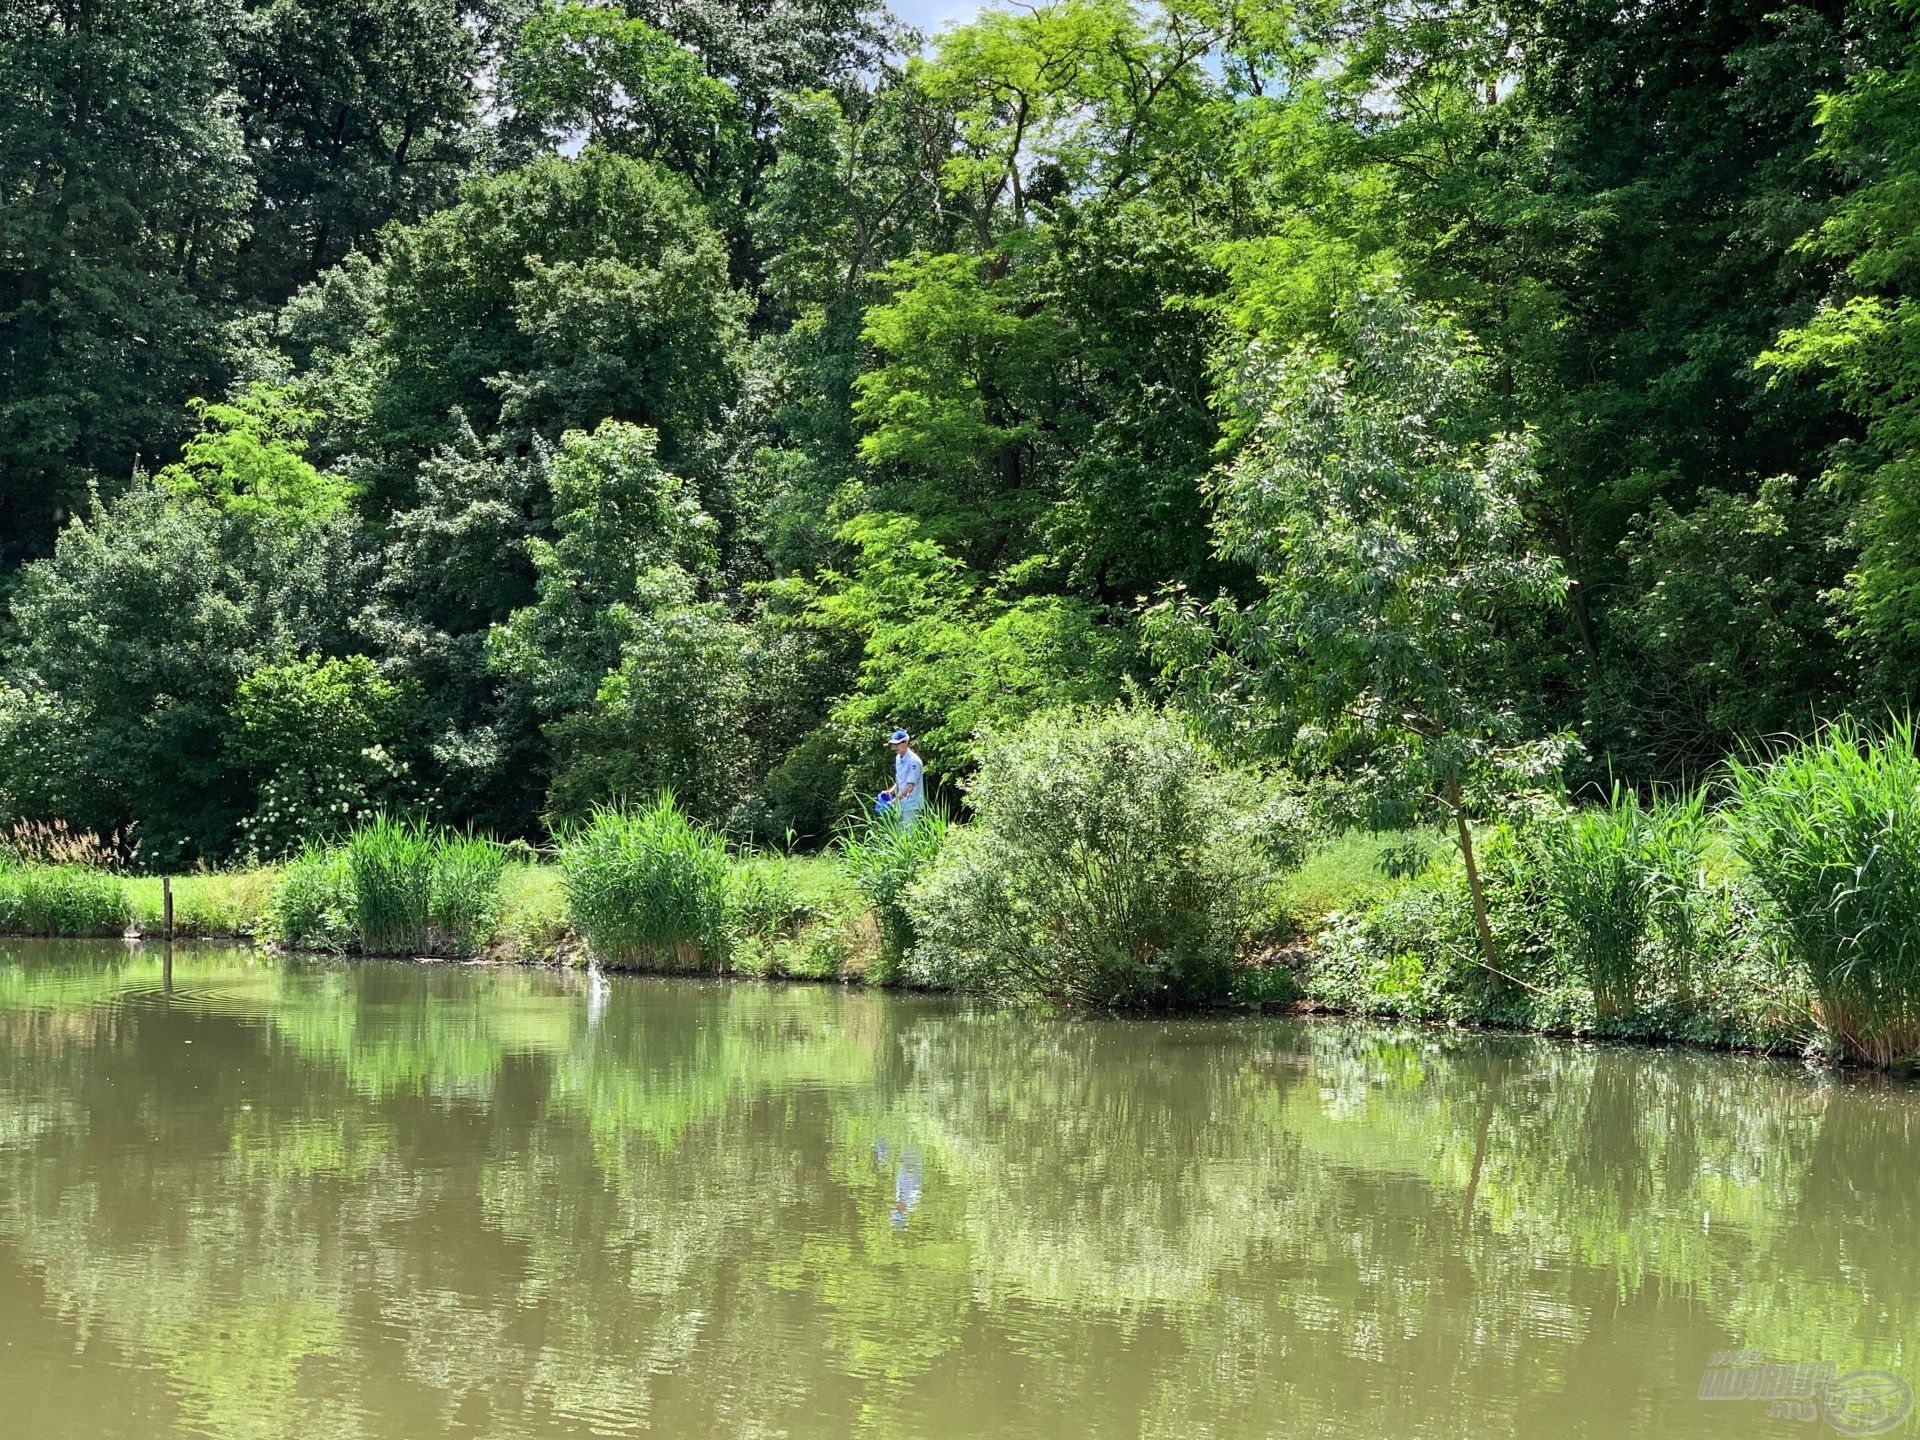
[
  {"x": 1488, "y": 956},
  {"x": 1577, "y": 595},
  {"x": 1479, "y": 1158}
]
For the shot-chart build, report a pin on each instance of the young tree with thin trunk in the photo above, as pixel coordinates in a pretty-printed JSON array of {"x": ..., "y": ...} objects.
[{"x": 1380, "y": 517}]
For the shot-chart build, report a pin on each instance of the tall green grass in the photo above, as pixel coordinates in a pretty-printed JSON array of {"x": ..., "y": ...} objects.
[
  {"x": 391, "y": 865},
  {"x": 649, "y": 888},
  {"x": 395, "y": 887},
  {"x": 312, "y": 905},
  {"x": 1691, "y": 911},
  {"x": 466, "y": 893},
  {"x": 1626, "y": 889},
  {"x": 62, "y": 900},
  {"x": 884, "y": 855},
  {"x": 1830, "y": 832},
  {"x": 1593, "y": 867},
  {"x": 205, "y": 903}
]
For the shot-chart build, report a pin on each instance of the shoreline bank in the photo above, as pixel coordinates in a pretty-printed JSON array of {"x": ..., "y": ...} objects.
[{"x": 1799, "y": 1047}]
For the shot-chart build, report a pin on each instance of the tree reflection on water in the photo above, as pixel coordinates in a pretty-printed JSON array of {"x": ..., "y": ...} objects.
[{"x": 381, "y": 1200}]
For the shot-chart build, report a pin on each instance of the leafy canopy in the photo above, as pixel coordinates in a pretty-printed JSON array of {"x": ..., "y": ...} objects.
[
  {"x": 1383, "y": 523},
  {"x": 249, "y": 460}
]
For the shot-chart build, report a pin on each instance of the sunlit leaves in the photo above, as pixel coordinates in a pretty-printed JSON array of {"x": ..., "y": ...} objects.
[
  {"x": 1383, "y": 522},
  {"x": 249, "y": 460}
]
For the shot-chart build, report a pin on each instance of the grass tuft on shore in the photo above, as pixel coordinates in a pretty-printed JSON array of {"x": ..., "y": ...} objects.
[
  {"x": 649, "y": 889},
  {"x": 395, "y": 887},
  {"x": 63, "y": 900},
  {"x": 1830, "y": 832}
]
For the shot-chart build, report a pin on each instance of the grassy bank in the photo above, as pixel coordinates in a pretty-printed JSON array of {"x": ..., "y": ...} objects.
[
  {"x": 223, "y": 905},
  {"x": 398, "y": 889},
  {"x": 1779, "y": 911},
  {"x": 1408, "y": 950},
  {"x": 54, "y": 900},
  {"x": 818, "y": 928}
]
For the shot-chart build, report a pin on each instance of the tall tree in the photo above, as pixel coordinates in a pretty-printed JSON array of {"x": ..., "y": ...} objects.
[
  {"x": 1381, "y": 515},
  {"x": 550, "y": 298},
  {"x": 356, "y": 113},
  {"x": 1610, "y": 199},
  {"x": 623, "y": 653},
  {"x": 1863, "y": 342},
  {"x": 698, "y": 85},
  {"x": 124, "y": 188}
]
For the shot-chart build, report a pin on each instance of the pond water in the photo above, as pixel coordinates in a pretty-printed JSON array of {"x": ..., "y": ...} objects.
[{"x": 282, "y": 1198}]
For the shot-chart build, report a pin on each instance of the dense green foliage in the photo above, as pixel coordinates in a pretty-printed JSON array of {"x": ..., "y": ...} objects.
[
  {"x": 313, "y": 901},
  {"x": 1110, "y": 862},
  {"x": 490, "y": 412},
  {"x": 1392, "y": 569},
  {"x": 173, "y": 170},
  {"x": 650, "y": 889},
  {"x": 1784, "y": 915},
  {"x": 1703, "y": 971}
]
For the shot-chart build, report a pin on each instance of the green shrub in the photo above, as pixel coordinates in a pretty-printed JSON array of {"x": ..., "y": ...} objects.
[
  {"x": 313, "y": 905},
  {"x": 62, "y": 900},
  {"x": 884, "y": 855},
  {"x": 650, "y": 888},
  {"x": 321, "y": 738},
  {"x": 1109, "y": 863},
  {"x": 1830, "y": 831},
  {"x": 1411, "y": 949}
]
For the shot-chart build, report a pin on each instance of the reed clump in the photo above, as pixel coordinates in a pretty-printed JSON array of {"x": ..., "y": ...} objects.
[
  {"x": 650, "y": 889},
  {"x": 393, "y": 887},
  {"x": 466, "y": 905},
  {"x": 390, "y": 863},
  {"x": 1593, "y": 868},
  {"x": 1624, "y": 888},
  {"x": 884, "y": 855},
  {"x": 1830, "y": 833}
]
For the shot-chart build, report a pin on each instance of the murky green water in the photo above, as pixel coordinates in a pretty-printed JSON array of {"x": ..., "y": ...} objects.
[{"x": 302, "y": 1199}]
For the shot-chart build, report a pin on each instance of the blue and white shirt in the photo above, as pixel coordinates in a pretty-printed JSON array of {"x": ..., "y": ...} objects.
[{"x": 908, "y": 770}]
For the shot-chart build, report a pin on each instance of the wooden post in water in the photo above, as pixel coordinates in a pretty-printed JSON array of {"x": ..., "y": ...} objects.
[{"x": 166, "y": 933}]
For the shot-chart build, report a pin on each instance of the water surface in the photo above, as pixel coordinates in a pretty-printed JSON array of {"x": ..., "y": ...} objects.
[{"x": 281, "y": 1198}]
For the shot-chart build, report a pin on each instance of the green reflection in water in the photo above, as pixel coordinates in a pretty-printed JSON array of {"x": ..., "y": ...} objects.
[{"x": 262, "y": 1198}]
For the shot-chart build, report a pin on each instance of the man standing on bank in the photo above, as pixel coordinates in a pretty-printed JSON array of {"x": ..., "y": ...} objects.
[{"x": 909, "y": 778}]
